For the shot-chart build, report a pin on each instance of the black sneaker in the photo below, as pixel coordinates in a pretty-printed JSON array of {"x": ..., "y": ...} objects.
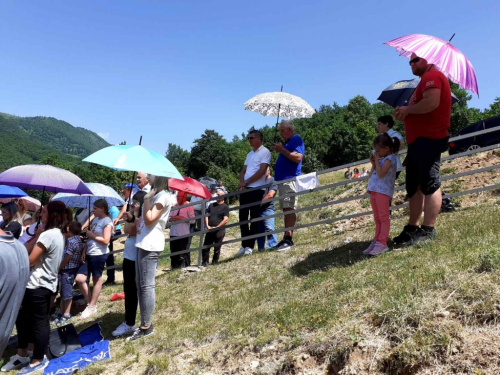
[
  {"x": 287, "y": 243},
  {"x": 407, "y": 235},
  {"x": 424, "y": 234},
  {"x": 140, "y": 333}
]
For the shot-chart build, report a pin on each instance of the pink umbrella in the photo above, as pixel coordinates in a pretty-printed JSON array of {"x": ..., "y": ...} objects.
[
  {"x": 446, "y": 57},
  {"x": 30, "y": 203}
]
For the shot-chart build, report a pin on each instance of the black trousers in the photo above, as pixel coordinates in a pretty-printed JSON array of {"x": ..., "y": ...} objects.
[
  {"x": 33, "y": 323},
  {"x": 254, "y": 211},
  {"x": 179, "y": 261},
  {"x": 216, "y": 239},
  {"x": 130, "y": 289}
]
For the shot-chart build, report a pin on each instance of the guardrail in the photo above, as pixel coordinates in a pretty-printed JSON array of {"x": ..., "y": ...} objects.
[{"x": 202, "y": 203}]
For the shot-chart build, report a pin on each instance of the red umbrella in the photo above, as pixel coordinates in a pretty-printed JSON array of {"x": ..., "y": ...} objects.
[{"x": 189, "y": 186}]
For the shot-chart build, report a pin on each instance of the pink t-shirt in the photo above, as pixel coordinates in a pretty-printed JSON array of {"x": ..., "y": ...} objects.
[{"x": 181, "y": 229}]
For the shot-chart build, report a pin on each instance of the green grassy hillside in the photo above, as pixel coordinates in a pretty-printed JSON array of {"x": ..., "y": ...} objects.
[{"x": 31, "y": 139}]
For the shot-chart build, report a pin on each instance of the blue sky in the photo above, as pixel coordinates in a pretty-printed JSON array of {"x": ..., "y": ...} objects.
[{"x": 168, "y": 70}]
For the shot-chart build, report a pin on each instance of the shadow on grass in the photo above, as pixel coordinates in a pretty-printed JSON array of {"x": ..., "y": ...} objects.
[{"x": 343, "y": 256}]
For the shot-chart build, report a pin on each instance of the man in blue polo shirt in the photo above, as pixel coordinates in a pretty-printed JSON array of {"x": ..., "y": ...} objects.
[{"x": 288, "y": 165}]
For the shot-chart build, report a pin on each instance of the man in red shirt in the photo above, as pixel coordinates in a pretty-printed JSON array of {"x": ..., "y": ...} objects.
[{"x": 427, "y": 120}]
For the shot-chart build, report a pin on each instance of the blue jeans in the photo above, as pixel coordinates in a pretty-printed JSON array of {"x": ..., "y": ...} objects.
[{"x": 267, "y": 226}]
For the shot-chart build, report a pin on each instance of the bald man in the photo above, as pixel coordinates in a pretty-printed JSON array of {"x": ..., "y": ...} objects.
[{"x": 427, "y": 120}]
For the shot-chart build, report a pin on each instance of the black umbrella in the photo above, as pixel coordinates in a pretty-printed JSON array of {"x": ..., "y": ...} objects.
[{"x": 398, "y": 94}]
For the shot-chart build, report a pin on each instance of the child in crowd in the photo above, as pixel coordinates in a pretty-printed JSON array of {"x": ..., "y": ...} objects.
[
  {"x": 98, "y": 238},
  {"x": 385, "y": 125},
  {"x": 381, "y": 189},
  {"x": 68, "y": 269}
]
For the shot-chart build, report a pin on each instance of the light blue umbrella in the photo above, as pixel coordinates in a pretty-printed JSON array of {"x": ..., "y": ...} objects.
[
  {"x": 134, "y": 159},
  {"x": 11, "y": 192},
  {"x": 100, "y": 191}
]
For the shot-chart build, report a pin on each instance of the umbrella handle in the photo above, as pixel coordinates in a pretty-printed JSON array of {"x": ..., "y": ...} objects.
[
  {"x": 277, "y": 119},
  {"x": 28, "y": 229}
]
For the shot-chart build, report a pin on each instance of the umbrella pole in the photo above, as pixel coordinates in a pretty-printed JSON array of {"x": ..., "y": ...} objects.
[
  {"x": 277, "y": 119},
  {"x": 132, "y": 183}
]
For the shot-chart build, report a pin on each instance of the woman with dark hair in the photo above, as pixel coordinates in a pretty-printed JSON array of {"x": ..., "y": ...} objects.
[
  {"x": 95, "y": 257},
  {"x": 12, "y": 221},
  {"x": 133, "y": 221},
  {"x": 45, "y": 255},
  {"x": 150, "y": 243}
]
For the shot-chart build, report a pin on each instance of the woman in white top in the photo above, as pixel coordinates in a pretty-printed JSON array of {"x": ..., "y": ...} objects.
[
  {"x": 181, "y": 229},
  {"x": 98, "y": 238},
  {"x": 150, "y": 242},
  {"x": 45, "y": 255},
  {"x": 133, "y": 221}
]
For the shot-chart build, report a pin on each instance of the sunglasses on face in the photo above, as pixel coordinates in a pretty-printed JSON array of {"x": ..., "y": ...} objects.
[
  {"x": 415, "y": 60},
  {"x": 250, "y": 138}
]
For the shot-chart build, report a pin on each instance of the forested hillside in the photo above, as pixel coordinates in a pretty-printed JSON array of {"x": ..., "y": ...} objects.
[
  {"x": 45, "y": 140},
  {"x": 53, "y": 133}
]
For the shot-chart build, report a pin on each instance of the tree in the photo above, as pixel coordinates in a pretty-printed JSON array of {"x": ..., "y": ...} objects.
[
  {"x": 461, "y": 114},
  {"x": 211, "y": 148},
  {"x": 178, "y": 157},
  {"x": 494, "y": 109}
]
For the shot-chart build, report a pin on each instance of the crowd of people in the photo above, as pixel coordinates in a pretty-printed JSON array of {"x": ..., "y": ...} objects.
[{"x": 41, "y": 258}]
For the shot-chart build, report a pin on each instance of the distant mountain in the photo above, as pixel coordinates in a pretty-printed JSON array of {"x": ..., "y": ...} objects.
[
  {"x": 56, "y": 134},
  {"x": 27, "y": 140}
]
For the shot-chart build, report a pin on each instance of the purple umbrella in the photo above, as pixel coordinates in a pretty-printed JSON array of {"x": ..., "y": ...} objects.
[
  {"x": 446, "y": 57},
  {"x": 44, "y": 177}
]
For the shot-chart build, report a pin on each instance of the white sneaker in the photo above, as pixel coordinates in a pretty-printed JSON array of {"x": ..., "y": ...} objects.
[
  {"x": 248, "y": 251},
  {"x": 123, "y": 329},
  {"x": 241, "y": 252},
  {"x": 16, "y": 362},
  {"x": 89, "y": 310}
]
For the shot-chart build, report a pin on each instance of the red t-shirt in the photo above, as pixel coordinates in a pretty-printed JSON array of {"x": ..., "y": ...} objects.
[{"x": 435, "y": 124}]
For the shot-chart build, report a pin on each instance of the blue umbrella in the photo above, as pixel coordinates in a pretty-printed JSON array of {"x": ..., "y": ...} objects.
[
  {"x": 11, "y": 192},
  {"x": 399, "y": 93},
  {"x": 135, "y": 159},
  {"x": 99, "y": 191}
]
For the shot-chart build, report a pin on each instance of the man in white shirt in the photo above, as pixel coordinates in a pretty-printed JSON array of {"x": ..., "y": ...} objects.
[
  {"x": 142, "y": 182},
  {"x": 252, "y": 175}
]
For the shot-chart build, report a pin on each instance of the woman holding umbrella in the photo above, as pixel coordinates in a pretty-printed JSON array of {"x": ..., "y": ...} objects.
[
  {"x": 150, "y": 242},
  {"x": 45, "y": 255},
  {"x": 134, "y": 219},
  {"x": 12, "y": 221}
]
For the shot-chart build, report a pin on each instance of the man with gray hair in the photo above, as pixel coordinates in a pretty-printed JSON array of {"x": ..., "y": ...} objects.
[{"x": 288, "y": 166}]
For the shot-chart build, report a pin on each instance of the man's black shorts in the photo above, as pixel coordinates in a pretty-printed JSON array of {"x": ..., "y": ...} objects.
[{"x": 422, "y": 165}]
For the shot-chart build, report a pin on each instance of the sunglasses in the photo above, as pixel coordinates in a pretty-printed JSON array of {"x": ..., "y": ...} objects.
[
  {"x": 250, "y": 138},
  {"x": 415, "y": 60}
]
